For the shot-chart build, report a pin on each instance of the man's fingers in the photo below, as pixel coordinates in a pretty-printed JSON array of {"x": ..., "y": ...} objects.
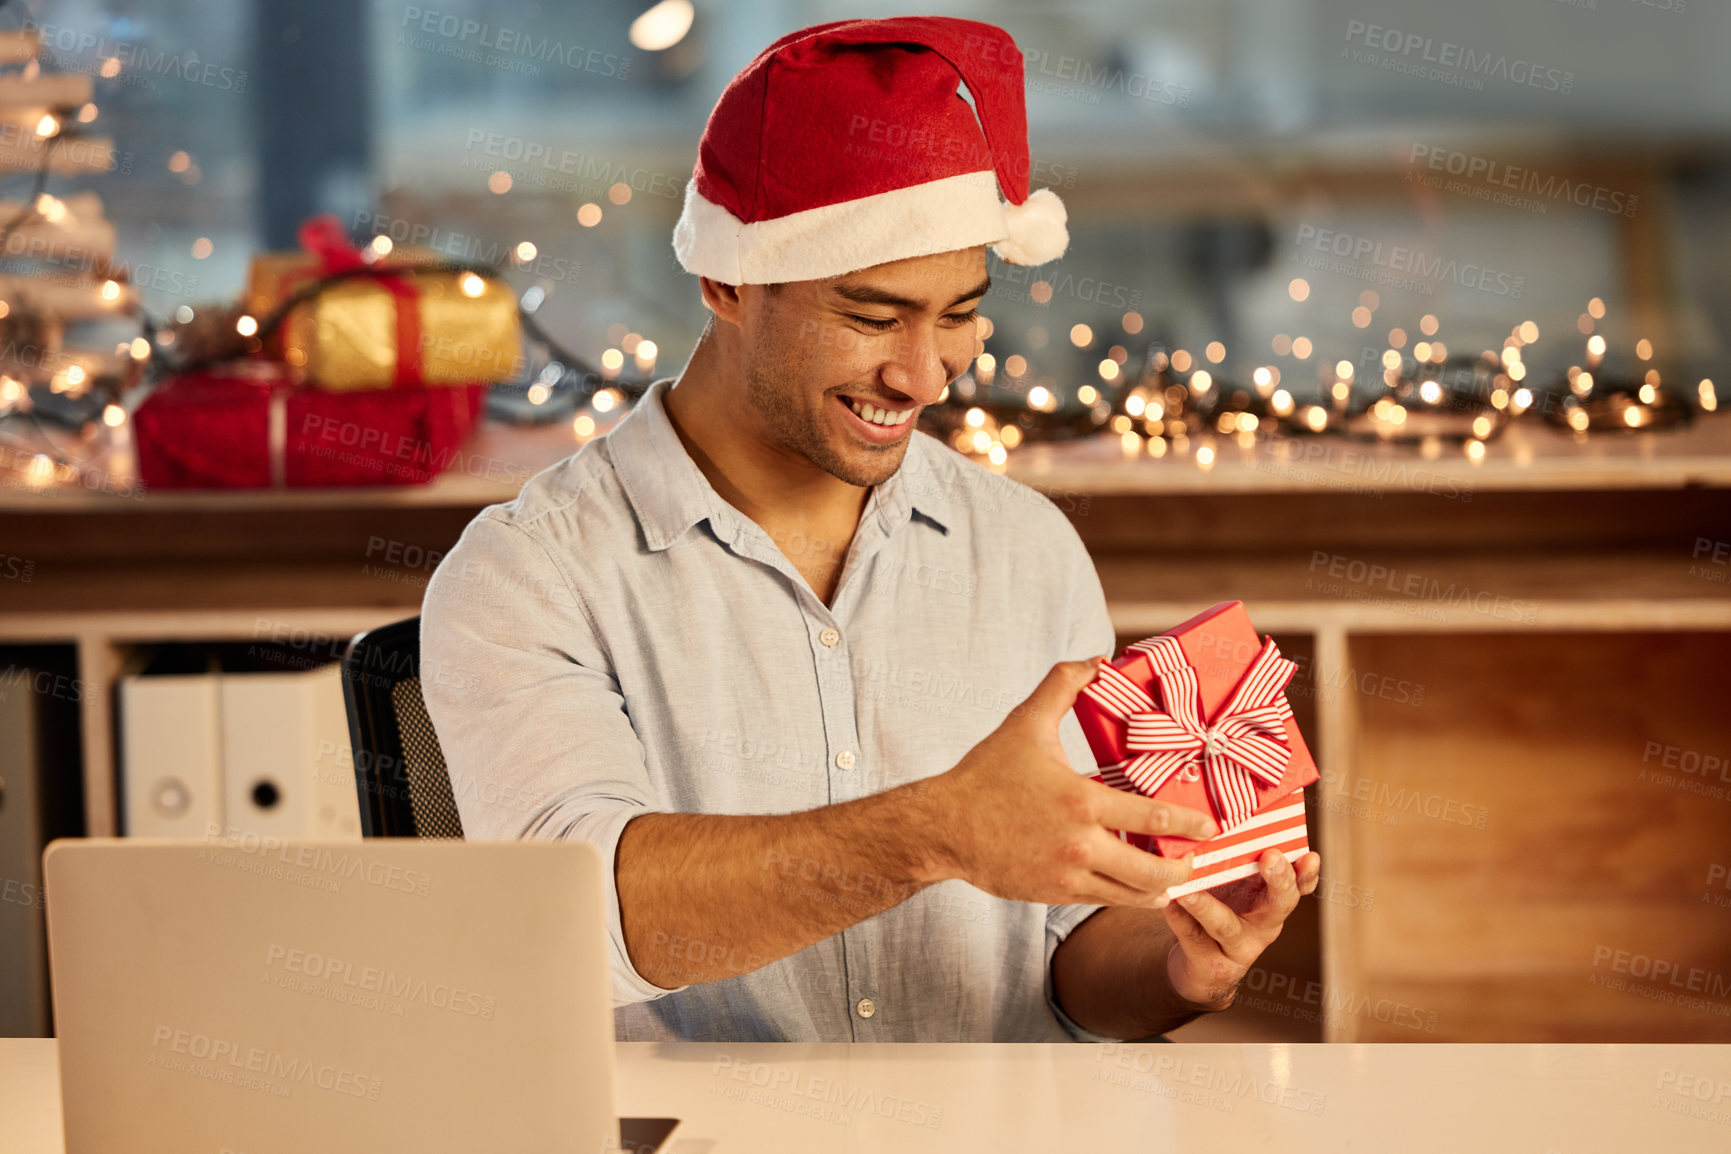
[
  {"x": 1057, "y": 691},
  {"x": 1120, "y": 809},
  {"x": 1280, "y": 891},
  {"x": 1139, "y": 870},
  {"x": 1309, "y": 873},
  {"x": 1111, "y": 892},
  {"x": 1189, "y": 932},
  {"x": 1222, "y": 924}
]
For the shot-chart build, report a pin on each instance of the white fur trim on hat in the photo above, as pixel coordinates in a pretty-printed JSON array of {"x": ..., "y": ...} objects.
[
  {"x": 1037, "y": 232},
  {"x": 944, "y": 215}
]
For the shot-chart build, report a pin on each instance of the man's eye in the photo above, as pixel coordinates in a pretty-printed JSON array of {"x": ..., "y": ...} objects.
[
  {"x": 873, "y": 323},
  {"x": 968, "y": 317}
]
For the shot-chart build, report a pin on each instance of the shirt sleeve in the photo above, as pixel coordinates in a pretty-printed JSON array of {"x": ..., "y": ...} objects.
[
  {"x": 528, "y": 714},
  {"x": 1090, "y": 635}
]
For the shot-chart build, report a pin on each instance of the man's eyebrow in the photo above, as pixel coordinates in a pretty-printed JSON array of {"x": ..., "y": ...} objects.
[{"x": 870, "y": 295}]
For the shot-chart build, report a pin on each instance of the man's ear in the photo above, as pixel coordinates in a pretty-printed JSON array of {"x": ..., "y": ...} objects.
[{"x": 722, "y": 300}]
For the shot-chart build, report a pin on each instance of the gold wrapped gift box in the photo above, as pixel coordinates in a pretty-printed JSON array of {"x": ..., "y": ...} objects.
[{"x": 464, "y": 328}]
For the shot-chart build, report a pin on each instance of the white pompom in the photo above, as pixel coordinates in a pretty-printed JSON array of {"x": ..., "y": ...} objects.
[{"x": 1037, "y": 232}]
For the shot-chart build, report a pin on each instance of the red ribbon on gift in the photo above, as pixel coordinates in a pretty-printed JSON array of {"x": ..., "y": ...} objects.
[
  {"x": 324, "y": 237},
  {"x": 1246, "y": 742}
]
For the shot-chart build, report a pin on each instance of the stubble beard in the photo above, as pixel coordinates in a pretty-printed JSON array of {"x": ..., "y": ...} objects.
[{"x": 776, "y": 401}]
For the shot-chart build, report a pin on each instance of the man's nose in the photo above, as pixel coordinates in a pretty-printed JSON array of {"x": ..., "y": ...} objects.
[{"x": 916, "y": 367}]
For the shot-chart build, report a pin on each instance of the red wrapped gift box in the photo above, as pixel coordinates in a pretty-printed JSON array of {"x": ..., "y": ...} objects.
[
  {"x": 246, "y": 426},
  {"x": 1198, "y": 717}
]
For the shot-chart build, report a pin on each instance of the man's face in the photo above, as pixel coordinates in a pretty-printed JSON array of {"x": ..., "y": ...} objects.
[{"x": 839, "y": 369}]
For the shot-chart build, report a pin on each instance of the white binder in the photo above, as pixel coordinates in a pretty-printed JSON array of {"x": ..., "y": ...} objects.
[{"x": 243, "y": 752}]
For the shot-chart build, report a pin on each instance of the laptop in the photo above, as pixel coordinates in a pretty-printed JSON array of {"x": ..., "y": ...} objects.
[{"x": 248, "y": 995}]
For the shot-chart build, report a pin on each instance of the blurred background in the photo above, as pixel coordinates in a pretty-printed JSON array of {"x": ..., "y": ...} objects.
[
  {"x": 1399, "y": 322},
  {"x": 1577, "y": 150}
]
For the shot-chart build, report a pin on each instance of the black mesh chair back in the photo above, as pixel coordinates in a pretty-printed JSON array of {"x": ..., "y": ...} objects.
[{"x": 400, "y": 773}]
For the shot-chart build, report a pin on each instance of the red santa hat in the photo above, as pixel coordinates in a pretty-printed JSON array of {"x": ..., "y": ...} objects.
[{"x": 847, "y": 145}]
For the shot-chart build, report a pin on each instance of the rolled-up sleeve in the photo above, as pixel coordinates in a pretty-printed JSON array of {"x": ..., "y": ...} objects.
[
  {"x": 527, "y": 711},
  {"x": 1091, "y": 635}
]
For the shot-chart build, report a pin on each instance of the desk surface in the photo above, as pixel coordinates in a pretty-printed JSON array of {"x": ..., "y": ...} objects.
[{"x": 768, "y": 1098}]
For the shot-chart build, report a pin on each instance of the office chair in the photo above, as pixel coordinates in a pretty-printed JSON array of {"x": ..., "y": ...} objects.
[{"x": 405, "y": 790}]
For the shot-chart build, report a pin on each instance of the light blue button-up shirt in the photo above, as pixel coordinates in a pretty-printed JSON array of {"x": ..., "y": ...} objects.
[{"x": 632, "y": 643}]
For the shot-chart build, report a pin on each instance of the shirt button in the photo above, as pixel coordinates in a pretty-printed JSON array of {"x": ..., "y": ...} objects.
[
  {"x": 829, "y": 637},
  {"x": 866, "y": 1007},
  {"x": 844, "y": 759}
]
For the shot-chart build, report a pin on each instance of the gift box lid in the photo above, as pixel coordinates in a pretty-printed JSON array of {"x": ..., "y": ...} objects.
[{"x": 1219, "y": 644}]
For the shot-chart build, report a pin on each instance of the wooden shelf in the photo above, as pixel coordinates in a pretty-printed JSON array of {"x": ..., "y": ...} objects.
[
  {"x": 1528, "y": 457},
  {"x": 1537, "y": 616}
]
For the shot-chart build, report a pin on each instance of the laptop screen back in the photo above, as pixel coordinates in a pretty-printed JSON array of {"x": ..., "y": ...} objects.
[{"x": 256, "y": 996}]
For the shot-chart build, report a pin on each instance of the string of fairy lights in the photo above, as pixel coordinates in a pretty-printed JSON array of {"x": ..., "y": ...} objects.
[{"x": 1162, "y": 400}]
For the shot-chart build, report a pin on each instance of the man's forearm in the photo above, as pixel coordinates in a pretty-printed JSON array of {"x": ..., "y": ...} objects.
[
  {"x": 709, "y": 896},
  {"x": 1109, "y": 975}
]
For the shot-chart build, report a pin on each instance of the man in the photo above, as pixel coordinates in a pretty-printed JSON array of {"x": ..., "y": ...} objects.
[{"x": 802, "y": 672}]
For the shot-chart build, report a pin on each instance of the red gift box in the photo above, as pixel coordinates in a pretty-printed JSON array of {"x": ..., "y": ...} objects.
[
  {"x": 1198, "y": 717},
  {"x": 247, "y": 426}
]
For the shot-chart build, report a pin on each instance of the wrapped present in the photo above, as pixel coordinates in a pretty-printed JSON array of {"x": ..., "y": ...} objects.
[
  {"x": 392, "y": 323},
  {"x": 1198, "y": 717},
  {"x": 248, "y": 425}
]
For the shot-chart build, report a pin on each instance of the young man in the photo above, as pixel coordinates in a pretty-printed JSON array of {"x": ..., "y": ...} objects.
[{"x": 802, "y": 672}]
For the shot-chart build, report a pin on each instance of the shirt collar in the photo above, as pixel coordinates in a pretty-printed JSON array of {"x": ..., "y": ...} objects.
[{"x": 670, "y": 494}]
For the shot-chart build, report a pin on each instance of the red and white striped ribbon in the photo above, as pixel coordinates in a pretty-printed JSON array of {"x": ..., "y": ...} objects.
[{"x": 1246, "y": 743}]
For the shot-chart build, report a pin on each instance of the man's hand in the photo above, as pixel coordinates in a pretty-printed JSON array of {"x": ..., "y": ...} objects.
[
  {"x": 1014, "y": 819},
  {"x": 1220, "y": 933}
]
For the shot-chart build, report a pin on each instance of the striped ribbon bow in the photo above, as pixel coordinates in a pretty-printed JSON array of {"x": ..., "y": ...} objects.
[{"x": 1246, "y": 743}]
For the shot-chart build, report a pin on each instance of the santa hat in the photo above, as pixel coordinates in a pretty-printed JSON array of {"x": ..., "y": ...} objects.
[{"x": 846, "y": 145}]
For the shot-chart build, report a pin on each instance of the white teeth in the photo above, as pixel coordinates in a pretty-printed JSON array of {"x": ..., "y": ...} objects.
[{"x": 879, "y": 416}]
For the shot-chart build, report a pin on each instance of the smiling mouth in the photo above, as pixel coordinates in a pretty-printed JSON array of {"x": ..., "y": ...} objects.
[{"x": 876, "y": 414}]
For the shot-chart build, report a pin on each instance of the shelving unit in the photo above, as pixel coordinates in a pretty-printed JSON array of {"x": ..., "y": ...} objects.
[{"x": 1536, "y": 708}]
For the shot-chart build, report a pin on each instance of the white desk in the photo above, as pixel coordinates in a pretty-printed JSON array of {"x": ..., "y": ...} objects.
[{"x": 1120, "y": 1099}]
